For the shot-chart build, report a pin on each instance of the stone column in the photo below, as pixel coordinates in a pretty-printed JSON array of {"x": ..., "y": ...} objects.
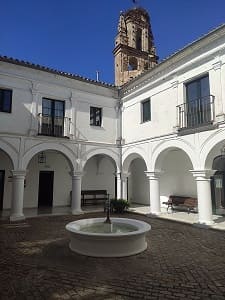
[
  {"x": 124, "y": 178},
  {"x": 18, "y": 177},
  {"x": 202, "y": 178},
  {"x": 154, "y": 192},
  {"x": 76, "y": 193},
  {"x": 119, "y": 185}
]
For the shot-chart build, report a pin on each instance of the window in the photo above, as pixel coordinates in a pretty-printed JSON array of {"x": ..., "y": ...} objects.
[
  {"x": 5, "y": 100},
  {"x": 95, "y": 116},
  {"x": 139, "y": 39},
  {"x": 198, "y": 101},
  {"x": 52, "y": 117},
  {"x": 132, "y": 64},
  {"x": 146, "y": 110}
]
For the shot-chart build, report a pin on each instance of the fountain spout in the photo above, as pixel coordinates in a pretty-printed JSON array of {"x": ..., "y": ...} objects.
[{"x": 107, "y": 208}]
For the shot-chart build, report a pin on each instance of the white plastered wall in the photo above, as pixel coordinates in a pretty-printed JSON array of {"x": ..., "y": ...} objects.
[
  {"x": 99, "y": 174},
  {"x": 176, "y": 178},
  {"x": 62, "y": 179},
  {"x": 6, "y": 165},
  {"x": 138, "y": 183}
]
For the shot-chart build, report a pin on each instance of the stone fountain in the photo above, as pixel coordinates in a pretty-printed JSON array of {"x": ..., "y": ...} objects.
[{"x": 110, "y": 237}]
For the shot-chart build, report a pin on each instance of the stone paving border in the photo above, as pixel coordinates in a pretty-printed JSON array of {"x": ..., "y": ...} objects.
[{"x": 181, "y": 262}]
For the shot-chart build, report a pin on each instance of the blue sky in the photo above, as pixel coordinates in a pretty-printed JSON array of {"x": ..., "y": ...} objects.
[{"x": 77, "y": 36}]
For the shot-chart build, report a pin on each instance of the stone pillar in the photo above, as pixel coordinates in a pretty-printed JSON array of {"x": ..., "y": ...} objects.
[
  {"x": 119, "y": 185},
  {"x": 76, "y": 193},
  {"x": 216, "y": 81},
  {"x": 124, "y": 178},
  {"x": 154, "y": 192},
  {"x": 202, "y": 178},
  {"x": 18, "y": 177},
  {"x": 34, "y": 119}
]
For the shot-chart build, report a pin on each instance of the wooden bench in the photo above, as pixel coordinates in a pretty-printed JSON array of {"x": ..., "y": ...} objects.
[
  {"x": 93, "y": 197},
  {"x": 189, "y": 203}
]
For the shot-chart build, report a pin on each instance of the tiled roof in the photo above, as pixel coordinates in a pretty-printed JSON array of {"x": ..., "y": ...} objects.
[{"x": 53, "y": 71}]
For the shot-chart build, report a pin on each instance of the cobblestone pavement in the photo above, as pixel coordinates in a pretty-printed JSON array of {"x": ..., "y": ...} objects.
[{"x": 181, "y": 261}]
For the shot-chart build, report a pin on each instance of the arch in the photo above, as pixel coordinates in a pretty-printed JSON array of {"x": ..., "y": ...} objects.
[
  {"x": 164, "y": 147},
  {"x": 219, "y": 163},
  {"x": 133, "y": 64},
  {"x": 10, "y": 152},
  {"x": 100, "y": 151},
  {"x": 130, "y": 157},
  {"x": 211, "y": 148},
  {"x": 67, "y": 153}
]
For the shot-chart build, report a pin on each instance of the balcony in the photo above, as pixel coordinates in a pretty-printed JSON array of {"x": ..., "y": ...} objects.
[
  {"x": 54, "y": 126},
  {"x": 196, "y": 113}
]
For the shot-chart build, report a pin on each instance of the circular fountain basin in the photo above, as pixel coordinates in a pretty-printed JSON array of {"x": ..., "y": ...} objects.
[{"x": 93, "y": 237}]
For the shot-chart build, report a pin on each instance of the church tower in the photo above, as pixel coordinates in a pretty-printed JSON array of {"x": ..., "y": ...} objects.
[{"x": 134, "y": 45}]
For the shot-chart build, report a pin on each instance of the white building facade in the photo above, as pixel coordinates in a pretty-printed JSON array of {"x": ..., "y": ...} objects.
[{"x": 161, "y": 134}]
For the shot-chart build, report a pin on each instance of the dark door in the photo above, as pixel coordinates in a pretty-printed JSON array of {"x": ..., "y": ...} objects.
[
  {"x": 2, "y": 178},
  {"x": 45, "y": 194}
]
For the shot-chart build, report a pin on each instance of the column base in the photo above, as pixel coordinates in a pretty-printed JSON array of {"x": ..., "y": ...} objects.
[
  {"x": 153, "y": 214},
  {"x": 15, "y": 218},
  {"x": 205, "y": 225},
  {"x": 77, "y": 212}
]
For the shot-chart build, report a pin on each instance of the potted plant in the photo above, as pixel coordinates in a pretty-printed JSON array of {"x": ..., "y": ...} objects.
[{"x": 119, "y": 205}]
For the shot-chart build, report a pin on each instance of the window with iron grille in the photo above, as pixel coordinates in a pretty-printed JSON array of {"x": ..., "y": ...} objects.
[
  {"x": 5, "y": 100},
  {"x": 95, "y": 116},
  {"x": 52, "y": 117},
  {"x": 146, "y": 110},
  {"x": 198, "y": 106}
]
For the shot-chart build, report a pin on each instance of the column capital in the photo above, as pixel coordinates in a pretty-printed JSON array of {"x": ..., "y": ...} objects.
[
  {"x": 153, "y": 174},
  {"x": 217, "y": 65},
  {"x": 18, "y": 173},
  {"x": 124, "y": 175},
  {"x": 76, "y": 174},
  {"x": 202, "y": 174}
]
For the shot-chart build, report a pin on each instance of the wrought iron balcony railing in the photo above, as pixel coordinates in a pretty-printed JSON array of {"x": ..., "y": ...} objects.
[
  {"x": 53, "y": 126},
  {"x": 195, "y": 113}
]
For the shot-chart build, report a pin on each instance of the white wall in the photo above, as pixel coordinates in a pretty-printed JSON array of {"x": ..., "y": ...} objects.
[
  {"x": 62, "y": 180},
  {"x": 99, "y": 174},
  {"x": 138, "y": 183},
  {"x": 29, "y": 86},
  {"x": 176, "y": 178},
  {"x": 166, "y": 89},
  {"x": 5, "y": 164}
]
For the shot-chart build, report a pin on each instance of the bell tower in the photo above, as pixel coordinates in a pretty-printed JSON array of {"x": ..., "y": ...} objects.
[{"x": 134, "y": 49}]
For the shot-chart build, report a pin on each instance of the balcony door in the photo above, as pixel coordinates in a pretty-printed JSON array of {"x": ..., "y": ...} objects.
[
  {"x": 198, "y": 102},
  {"x": 52, "y": 117}
]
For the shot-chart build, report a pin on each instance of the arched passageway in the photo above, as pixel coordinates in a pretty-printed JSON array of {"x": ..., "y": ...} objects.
[
  {"x": 6, "y": 166},
  {"x": 48, "y": 180},
  {"x": 218, "y": 185},
  {"x": 135, "y": 185},
  {"x": 138, "y": 185},
  {"x": 176, "y": 178},
  {"x": 99, "y": 173}
]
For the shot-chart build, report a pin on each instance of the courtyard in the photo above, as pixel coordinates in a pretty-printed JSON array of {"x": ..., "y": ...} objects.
[{"x": 181, "y": 261}]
